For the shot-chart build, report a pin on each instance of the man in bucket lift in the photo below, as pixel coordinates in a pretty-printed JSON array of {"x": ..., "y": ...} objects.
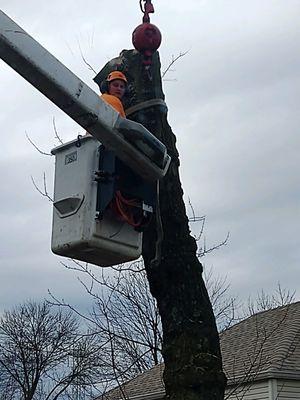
[
  {"x": 128, "y": 206},
  {"x": 113, "y": 89}
]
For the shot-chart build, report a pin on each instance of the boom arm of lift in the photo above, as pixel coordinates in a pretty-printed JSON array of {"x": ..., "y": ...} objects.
[{"x": 132, "y": 142}]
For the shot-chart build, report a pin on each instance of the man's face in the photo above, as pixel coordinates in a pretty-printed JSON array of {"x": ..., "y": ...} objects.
[{"x": 117, "y": 88}]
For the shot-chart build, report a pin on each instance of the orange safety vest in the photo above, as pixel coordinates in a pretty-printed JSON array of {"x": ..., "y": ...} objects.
[{"x": 114, "y": 102}]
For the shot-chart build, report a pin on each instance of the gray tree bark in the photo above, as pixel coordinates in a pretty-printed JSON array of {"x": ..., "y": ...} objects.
[{"x": 193, "y": 365}]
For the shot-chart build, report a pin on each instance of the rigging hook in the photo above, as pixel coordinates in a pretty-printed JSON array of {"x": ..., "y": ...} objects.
[{"x": 146, "y": 10}]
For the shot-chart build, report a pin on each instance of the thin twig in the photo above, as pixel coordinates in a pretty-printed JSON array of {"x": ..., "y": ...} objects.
[
  {"x": 36, "y": 147},
  {"x": 195, "y": 218},
  {"x": 173, "y": 61},
  {"x": 85, "y": 61},
  {"x": 55, "y": 131},
  {"x": 204, "y": 251},
  {"x": 43, "y": 192}
]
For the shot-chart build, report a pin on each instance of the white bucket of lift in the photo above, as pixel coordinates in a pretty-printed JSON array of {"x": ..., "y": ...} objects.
[{"x": 76, "y": 232}]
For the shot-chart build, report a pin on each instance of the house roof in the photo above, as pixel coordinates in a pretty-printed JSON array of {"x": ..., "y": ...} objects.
[
  {"x": 265, "y": 345},
  {"x": 149, "y": 385}
]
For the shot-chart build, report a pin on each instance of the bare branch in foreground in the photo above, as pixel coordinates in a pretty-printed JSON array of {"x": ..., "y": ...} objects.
[
  {"x": 85, "y": 61},
  {"x": 55, "y": 132},
  {"x": 172, "y": 62},
  {"x": 36, "y": 147},
  {"x": 43, "y": 192},
  {"x": 203, "y": 251}
]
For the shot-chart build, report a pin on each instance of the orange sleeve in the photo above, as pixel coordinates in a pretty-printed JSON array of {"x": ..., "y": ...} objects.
[{"x": 115, "y": 103}]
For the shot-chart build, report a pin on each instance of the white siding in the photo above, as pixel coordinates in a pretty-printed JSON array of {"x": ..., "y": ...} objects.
[
  {"x": 288, "y": 390},
  {"x": 254, "y": 391}
]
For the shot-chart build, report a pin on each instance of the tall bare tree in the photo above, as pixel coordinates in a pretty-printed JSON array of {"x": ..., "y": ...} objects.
[
  {"x": 191, "y": 351},
  {"x": 125, "y": 314},
  {"x": 44, "y": 356}
]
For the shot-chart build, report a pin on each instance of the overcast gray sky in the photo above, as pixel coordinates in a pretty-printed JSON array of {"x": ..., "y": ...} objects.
[{"x": 233, "y": 104}]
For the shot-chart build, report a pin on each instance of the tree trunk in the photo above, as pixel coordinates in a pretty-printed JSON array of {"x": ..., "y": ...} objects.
[{"x": 193, "y": 366}]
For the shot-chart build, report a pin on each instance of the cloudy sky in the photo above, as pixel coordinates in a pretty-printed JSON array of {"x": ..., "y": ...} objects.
[{"x": 233, "y": 103}]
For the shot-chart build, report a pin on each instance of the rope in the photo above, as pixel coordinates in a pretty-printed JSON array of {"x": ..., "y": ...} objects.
[
  {"x": 160, "y": 232},
  {"x": 124, "y": 208},
  {"x": 145, "y": 104}
]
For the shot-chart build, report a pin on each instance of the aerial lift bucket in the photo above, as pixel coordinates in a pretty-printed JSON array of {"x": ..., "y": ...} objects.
[{"x": 82, "y": 228}]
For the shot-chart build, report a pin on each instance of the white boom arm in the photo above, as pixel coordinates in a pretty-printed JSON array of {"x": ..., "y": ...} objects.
[{"x": 145, "y": 154}]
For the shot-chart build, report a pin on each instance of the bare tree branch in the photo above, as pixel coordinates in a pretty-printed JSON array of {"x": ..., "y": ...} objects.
[
  {"x": 44, "y": 191},
  {"x": 36, "y": 147},
  {"x": 173, "y": 61},
  {"x": 43, "y": 354},
  {"x": 85, "y": 61},
  {"x": 55, "y": 131}
]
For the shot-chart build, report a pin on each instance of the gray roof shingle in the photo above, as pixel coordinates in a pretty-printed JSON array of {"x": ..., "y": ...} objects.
[
  {"x": 265, "y": 344},
  {"x": 149, "y": 384}
]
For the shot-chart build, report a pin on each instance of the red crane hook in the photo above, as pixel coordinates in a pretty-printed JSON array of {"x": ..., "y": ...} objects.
[
  {"x": 146, "y": 37},
  {"x": 147, "y": 9}
]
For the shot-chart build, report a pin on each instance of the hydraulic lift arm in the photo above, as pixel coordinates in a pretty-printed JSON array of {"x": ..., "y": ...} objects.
[{"x": 132, "y": 143}]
